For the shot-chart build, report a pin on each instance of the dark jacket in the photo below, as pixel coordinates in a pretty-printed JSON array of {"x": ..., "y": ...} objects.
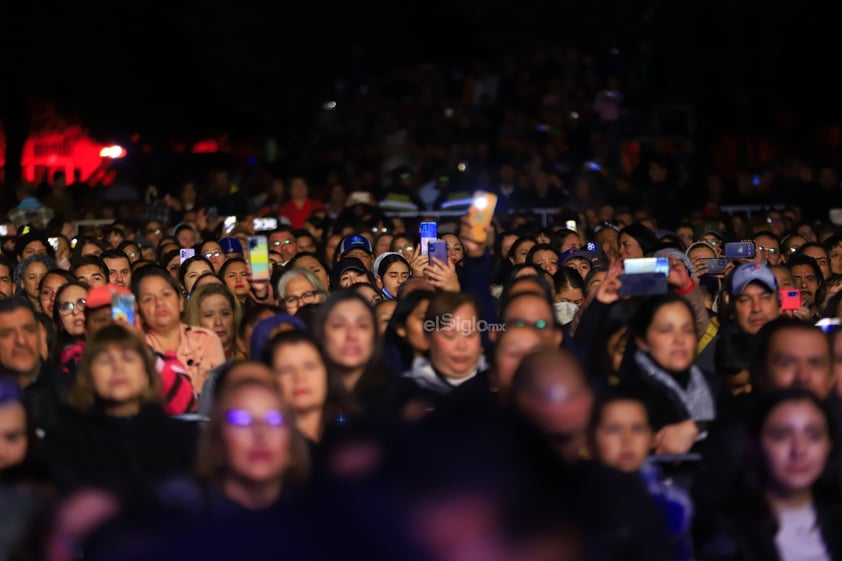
[
  {"x": 475, "y": 278},
  {"x": 745, "y": 537},
  {"x": 128, "y": 454},
  {"x": 422, "y": 384}
]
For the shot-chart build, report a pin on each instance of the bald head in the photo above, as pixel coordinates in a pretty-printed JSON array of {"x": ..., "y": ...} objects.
[{"x": 550, "y": 390}]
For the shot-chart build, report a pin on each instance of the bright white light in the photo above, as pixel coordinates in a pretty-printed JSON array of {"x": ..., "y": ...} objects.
[
  {"x": 462, "y": 166},
  {"x": 329, "y": 106},
  {"x": 481, "y": 203},
  {"x": 113, "y": 152}
]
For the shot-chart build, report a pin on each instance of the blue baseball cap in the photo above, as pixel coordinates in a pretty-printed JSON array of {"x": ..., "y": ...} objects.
[
  {"x": 748, "y": 273},
  {"x": 231, "y": 245},
  {"x": 354, "y": 241}
]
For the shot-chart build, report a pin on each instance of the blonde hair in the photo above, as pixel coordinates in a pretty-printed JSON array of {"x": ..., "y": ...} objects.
[
  {"x": 210, "y": 461},
  {"x": 83, "y": 394},
  {"x": 193, "y": 312}
]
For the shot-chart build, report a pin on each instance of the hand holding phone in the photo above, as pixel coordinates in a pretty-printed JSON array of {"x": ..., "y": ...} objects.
[
  {"x": 645, "y": 265},
  {"x": 480, "y": 214},
  {"x": 714, "y": 266},
  {"x": 643, "y": 284},
  {"x": 122, "y": 308},
  {"x": 438, "y": 250},
  {"x": 185, "y": 254},
  {"x": 428, "y": 233},
  {"x": 739, "y": 250},
  {"x": 790, "y": 299}
]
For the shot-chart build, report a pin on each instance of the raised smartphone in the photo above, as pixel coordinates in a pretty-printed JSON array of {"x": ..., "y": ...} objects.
[
  {"x": 739, "y": 250},
  {"x": 644, "y": 265},
  {"x": 185, "y": 254},
  {"x": 428, "y": 232},
  {"x": 265, "y": 224},
  {"x": 259, "y": 258},
  {"x": 480, "y": 214},
  {"x": 790, "y": 299},
  {"x": 643, "y": 284},
  {"x": 122, "y": 308},
  {"x": 438, "y": 250},
  {"x": 716, "y": 266}
]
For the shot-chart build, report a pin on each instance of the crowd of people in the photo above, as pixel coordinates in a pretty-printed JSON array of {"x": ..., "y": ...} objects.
[
  {"x": 526, "y": 398},
  {"x": 518, "y": 400}
]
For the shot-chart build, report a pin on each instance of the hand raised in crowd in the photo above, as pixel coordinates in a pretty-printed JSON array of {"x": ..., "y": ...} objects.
[
  {"x": 259, "y": 287},
  {"x": 803, "y": 313},
  {"x": 418, "y": 262},
  {"x": 474, "y": 248},
  {"x": 679, "y": 276},
  {"x": 442, "y": 275},
  {"x": 608, "y": 290},
  {"x": 677, "y": 438}
]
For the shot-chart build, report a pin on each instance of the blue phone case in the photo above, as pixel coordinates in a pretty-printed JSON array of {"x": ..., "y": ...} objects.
[{"x": 438, "y": 250}]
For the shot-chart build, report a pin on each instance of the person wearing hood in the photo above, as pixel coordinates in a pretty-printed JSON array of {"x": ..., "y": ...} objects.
[{"x": 391, "y": 270}]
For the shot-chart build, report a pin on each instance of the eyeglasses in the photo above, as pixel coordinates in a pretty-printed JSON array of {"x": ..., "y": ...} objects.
[
  {"x": 69, "y": 307},
  {"x": 153, "y": 230},
  {"x": 540, "y": 324},
  {"x": 279, "y": 243},
  {"x": 132, "y": 254},
  {"x": 770, "y": 250},
  {"x": 240, "y": 418},
  {"x": 306, "y": 297},
  {"x": 211, "y": 254}
]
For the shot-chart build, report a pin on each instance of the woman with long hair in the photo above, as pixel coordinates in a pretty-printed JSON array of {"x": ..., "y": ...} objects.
[
  {"x": 299, "y": 365},
  {"x": 347, "y": 329},
  {"x": 787, "y": 502}
]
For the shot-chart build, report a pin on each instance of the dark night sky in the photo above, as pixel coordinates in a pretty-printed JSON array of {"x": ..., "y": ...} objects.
[{"x": 247, "y": 63}]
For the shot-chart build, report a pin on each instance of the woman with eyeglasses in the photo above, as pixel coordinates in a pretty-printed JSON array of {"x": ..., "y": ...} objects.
[
  {"x": 212, "y": 251},
  {"x": 299, "y": 287},
  {"x": 250, "y": 454},
  {"x": 214, "y": 307},
  {"x": 115, "y": 432},
  {"x": 69, "y": 318}
]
